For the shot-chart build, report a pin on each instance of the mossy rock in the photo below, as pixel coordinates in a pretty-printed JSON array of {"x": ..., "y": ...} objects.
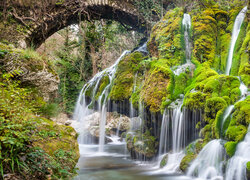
[
  {"x": 164, "y": 161},
  {"x": 102, "y": 85},
  {"x": 236, "y": 133},
  {"x": 230, "y": 147},
  {"x": 248, "y": 169},
  {"x": 204, "y": 35},
  {"x": 185, "y": 162},
  {"x": 155, "y": 87},
  {"x": 124, "y": 77},
  {"x": 62, "y": 138},
  {"x": 240, "y": 121},
  {"x": 144, "y": 144},
  {"x": 195, "y": 100},
  {"x": 166, "y": 41}
]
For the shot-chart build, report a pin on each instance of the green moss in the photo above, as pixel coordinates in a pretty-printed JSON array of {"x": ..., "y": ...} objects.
[
  {"x": 185, "y": 162},
  {"x": 195, "y": 100},
  {"x": 166, "y": 38},
  {"x": 236, "y": 133},
  {"x": 155, "y": 86},
  {"x": 248, "y": 165},
  {"x": 240, "y": 121},
  {"x": 241, "y": 114},
  {"x": 103, "y": 84},
  {"x": 244, "y": 70},
  {"x": 236, "y": 61},
  {"x": 204, "y": 29},
  {"x": 144, "y": 144},
  {"x": 164, "y": 161},
  {"x": 123, "y": 83},
  {"x": 230, "y": 148}
]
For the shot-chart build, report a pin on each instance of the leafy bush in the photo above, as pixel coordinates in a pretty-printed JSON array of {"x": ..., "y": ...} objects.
[{"x": 19, "y": 127}]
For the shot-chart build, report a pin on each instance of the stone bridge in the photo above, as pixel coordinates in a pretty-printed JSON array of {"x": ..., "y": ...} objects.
[{"x": 31, "y": 22}]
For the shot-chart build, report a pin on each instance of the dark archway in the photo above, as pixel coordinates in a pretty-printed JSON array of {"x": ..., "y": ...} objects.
[{"x": 44, "y": 19}]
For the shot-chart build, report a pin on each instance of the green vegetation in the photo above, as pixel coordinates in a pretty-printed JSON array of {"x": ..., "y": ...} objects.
[
  {"x": 124, "y": 78},
  {"x": 230, "y": 148},
  {"x": 185, "y": 162},
  {"x": 142, "y": 143},
  {"x": 23, "y": 136}
]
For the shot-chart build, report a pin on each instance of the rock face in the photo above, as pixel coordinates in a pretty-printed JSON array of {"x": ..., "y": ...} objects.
[
  {"x": 32, "y": 69},
  {"x": 114, "y": 122}
]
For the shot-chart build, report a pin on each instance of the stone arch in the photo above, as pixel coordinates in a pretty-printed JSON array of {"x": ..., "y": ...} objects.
[{"x": 41, "y": 21}]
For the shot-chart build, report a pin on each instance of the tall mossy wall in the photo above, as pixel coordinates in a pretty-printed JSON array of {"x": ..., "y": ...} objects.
[{"x": 149, "y": 80}]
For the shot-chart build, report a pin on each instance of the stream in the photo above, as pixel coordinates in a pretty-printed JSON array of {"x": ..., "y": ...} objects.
[{"x": 113, "y": 163}]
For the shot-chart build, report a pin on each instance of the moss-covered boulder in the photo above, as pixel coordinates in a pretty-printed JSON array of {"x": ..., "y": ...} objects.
[
  {"x": 230, "y": 147},
  {"x": 52, "y": 137},
  {"x": 248, "y": 169},
  {"x": 124, "y": 77},
  {"x": 31, "y": 68},
  {"x": 155, "y": 87},
  {"x": 164, "y": 161},
  {"x": 240, "y": 121},
  {"x": 166, "y": 40},
  {"x": 185, "y": 162},
  {"x": 142, "y": 145}
]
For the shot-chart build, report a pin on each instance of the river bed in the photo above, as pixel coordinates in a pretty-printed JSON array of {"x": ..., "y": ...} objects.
[{"x": 115, "y": 163}]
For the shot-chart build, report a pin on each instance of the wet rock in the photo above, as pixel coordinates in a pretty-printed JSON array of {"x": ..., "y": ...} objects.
[{"x": 164, "y": 161}]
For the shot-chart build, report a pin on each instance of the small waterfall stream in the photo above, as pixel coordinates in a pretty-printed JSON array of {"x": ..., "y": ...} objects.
[
  {"x": 82, "y": 109},
  {"x": 236, "y": 30},
  {"x": 186, "y": 24},
  {"x": 236, "y": 168},
  {"x": 178, "y": 137},
  {"x": 209, "y": 162}
]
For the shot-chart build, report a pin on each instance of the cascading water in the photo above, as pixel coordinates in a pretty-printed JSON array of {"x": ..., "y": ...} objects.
[
  {"x": 186, "y": 24},
  {"x": 243, "y": 90},
  {"x": 236, "y": 168},
  {"x": 236, "y": 30},
  {"x": 209, "y": 162},
  {"x": 82, "y": 109},
  {"x": 177, "y": 134}
]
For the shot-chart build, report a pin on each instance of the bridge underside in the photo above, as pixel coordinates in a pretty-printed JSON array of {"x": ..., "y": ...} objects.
[
  {"x": 42, "y": 32},
  {"x": 38, "y": 22}
]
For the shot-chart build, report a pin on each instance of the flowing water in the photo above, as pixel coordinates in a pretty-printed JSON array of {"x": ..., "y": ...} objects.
[
  {"x": 111, "y": 160},
  {"x": 209, "y": 162},
  {"x": 82, "y": 109},
  {"x": 236, "y": 168},
  {"x": 186, "y": 24},
  {"x": 236, "y": 30}
]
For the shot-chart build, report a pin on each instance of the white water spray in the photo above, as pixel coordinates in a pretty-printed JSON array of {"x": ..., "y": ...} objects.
[
  {"x": 236, "y": 30},
  {"x": 82, "y": 107},
  {"x": 236, "y": 168},
  {"x": 209, "y": 162}
]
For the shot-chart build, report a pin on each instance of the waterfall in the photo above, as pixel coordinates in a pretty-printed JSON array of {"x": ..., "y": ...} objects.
[
  {"x": 178, "y": 137},
  {"x": 82, "y": 109},
  {"x": 226, "y": 114},
  {"x": 186, "y": 24},
  {"x": 236, "y": 168},
  {"x": 236, "y": 30},
  {"x": 243, "y": 90},
  {"x": 209, "y": 162},
  {"x": 131, "y": 108},
  {"x": 164, "y": 133}
]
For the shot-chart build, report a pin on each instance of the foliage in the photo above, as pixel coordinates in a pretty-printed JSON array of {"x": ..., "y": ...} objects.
[
  {"x": 50, "y": 110},
  {"x": 19, "y": 128},
  {"x": 230, "y": 148}
]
